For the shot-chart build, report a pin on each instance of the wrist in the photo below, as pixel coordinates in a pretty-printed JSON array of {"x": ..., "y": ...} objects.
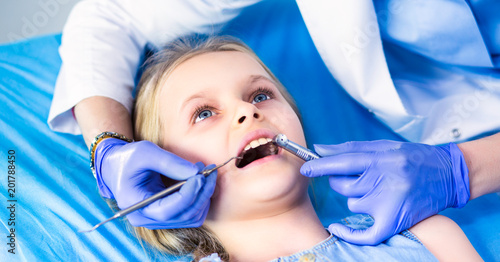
[
  {"x": 98, "y": 139},
  {"x": 103, "y": 143},
  {"x": 460, "y": 175},
  {"x": 96, "y": 114}
]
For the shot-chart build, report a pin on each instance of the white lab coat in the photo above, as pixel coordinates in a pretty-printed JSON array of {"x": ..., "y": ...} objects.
[{"x": 103, "y": 40}]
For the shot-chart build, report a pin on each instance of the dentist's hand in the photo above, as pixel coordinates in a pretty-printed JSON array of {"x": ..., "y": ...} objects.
[
  {"x": 398, "y": 184},
  {"x": 131, "y": 172}
]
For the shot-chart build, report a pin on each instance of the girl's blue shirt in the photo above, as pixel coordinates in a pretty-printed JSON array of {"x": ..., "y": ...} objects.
[{"x": 401, "y": 247}]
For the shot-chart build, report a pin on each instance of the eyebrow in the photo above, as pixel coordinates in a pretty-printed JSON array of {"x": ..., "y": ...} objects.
[
  {"x": 256, "y": 78},
  {"x": 195, "y": 96},
  {"x": 251, "y": 80}
]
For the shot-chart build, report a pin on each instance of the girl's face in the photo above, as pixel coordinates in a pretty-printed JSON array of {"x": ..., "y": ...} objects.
[{"x": 212, "y": 107}]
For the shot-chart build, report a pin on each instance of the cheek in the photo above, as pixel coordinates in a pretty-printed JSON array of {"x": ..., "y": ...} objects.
[
  {"x": 202, "y": 147},
  {"x": 288, "y": 122},
  {"x": 222, "y": 184}
]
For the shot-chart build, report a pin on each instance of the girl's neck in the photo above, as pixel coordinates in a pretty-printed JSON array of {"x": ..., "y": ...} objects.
[{"x": 264, "y": 239}]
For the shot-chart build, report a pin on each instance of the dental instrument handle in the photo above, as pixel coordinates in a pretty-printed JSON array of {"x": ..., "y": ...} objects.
[
  {"x": 139, "y": 205},
  {"x": 156, "y": 196},
  {"x": 282, "y": 141},
  {"x": 150, "y": 199}
]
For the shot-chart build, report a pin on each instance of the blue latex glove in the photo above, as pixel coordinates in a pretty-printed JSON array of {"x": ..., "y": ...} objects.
[
  {"x": 398, "y": 184},
  {"x": 131, "y": 172}
]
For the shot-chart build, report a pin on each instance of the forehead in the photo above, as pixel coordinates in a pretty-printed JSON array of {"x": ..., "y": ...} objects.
[{"x": 214, "y": 70}]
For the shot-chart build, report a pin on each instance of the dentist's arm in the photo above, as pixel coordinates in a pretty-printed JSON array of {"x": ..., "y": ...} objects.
[
  {"x": 400, "y": 184},
  {"x": 483, "y": 160},
  {"x": 98, "y": 114}
]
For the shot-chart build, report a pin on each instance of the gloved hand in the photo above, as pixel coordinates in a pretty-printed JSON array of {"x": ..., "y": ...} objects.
[
  {"x": 131, "y": 172},
  {"x": 398, "y": 184}
]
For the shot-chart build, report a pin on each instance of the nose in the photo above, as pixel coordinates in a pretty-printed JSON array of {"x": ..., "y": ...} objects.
[
  {"x": 242, "y": 119},
  {"x": 247, "y": 113}
]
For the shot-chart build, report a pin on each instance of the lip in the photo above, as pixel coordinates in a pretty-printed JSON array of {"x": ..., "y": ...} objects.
[{"x": 253, "y": 135}]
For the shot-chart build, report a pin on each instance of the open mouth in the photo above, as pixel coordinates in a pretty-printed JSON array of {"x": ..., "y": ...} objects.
[{"x": 255, "y": 150}]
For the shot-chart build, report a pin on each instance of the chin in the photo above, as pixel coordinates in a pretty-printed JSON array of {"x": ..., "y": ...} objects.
[{"x": 269, "y": 189}]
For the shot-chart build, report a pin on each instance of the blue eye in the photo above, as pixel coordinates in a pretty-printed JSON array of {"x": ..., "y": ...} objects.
[
  {"x": 203, "y": 115},
  {"x": 260, "y": 98}
]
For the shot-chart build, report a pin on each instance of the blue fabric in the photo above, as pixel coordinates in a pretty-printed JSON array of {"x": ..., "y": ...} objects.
[
  {"x": 401, "y": 247},
  {"x": 55, "y": 191},
  {"x": 466, "y": 34},
  {"x": 57, "y": 195},
  {"x": 488, "y": 20},
  {"x": 397, "y": 248}
]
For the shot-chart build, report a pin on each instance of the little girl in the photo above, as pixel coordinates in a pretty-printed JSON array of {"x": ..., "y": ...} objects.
[{"x": 214, "y": 99}]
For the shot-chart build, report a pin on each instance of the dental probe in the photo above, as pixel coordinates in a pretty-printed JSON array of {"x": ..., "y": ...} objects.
[
  {"x": 282, "y": 141},
  {"x": 156, "y": 196}
]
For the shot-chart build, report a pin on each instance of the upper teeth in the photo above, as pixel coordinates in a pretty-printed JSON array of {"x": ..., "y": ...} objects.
[{"x": 257, "y": 142}]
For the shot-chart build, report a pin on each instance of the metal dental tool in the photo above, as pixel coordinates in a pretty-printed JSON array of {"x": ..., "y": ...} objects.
[
  {"x": 282, "y": 141},
  {"x": 156, "y": 196}
]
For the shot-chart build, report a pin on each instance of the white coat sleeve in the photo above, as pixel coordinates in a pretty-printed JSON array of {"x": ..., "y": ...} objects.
[{"x": 102, "y": 42}]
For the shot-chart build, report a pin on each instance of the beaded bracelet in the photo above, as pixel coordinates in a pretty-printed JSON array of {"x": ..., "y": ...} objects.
[{"x": 98, "y": 139}]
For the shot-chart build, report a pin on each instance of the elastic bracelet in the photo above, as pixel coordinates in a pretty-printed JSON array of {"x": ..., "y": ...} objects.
[{"x": 98, "y": 139}]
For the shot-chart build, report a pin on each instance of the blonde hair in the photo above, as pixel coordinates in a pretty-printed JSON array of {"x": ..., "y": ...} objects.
[{"x": 147, "y": 126}]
